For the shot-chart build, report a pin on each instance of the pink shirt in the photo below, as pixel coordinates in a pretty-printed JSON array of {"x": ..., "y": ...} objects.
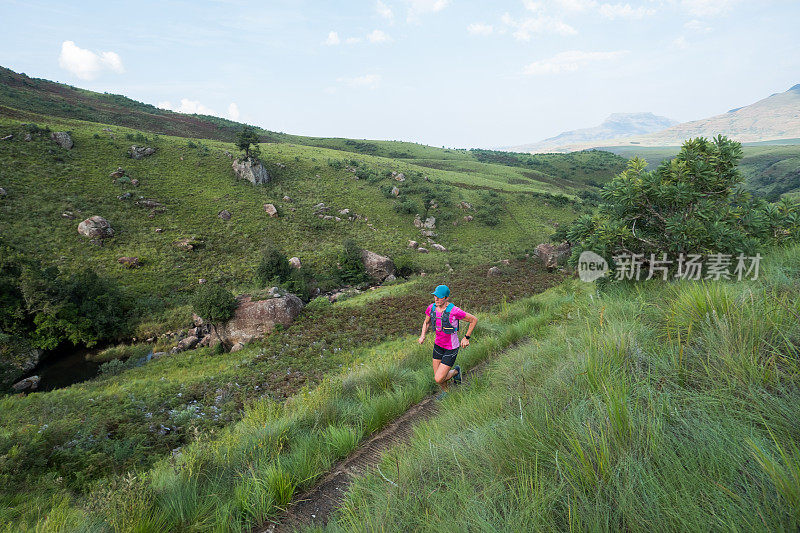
[{"x": 443, "y": 340}]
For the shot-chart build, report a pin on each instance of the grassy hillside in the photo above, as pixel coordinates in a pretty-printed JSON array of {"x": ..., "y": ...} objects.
[{"x": 658, "y": 406}]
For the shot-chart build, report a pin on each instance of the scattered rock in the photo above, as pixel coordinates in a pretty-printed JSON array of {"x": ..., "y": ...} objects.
[
  {"x": 400, "y": 177},
  {"x": 129, "y": 262},
  {"x": 320, "y": 207},
  {"x": 117, "y": 173},
  {"x": 428, "y": 233},
  {"x": 422, "y": 250},
  {"x": 68, "y": 215},
  {"x": 28, "y": 137},
  {"x": 468, "y": 218},
  {"x": 159, "y": 230},
  {"x": 438, "y": 247},
  {"x": 430, "y": 223},
  {"x": 31, "y": 383},
  {"x": 96, "y": 227},
  {"x": 224, "y": 214},
  {"x": 449, "y": 268},
  {"x": 344, "y": 212},
  {"x": 135, "y": 182},
  {"x": 252, "y": 170},
  {"x": 254, "y": 319},
  {"x": 465, "y": 205},
  {"x": 7, "y": 137},
  {"x": 412, "y": 244},
  {"x": 149, "y": 204},
  {"x": 236, "y": 347},
  {"x": 552, "y": 255},
  {"x": 201, "y": 281},
  {"x": 271, "y": 210},
  {"x": 327, "y": 217},
  {"x": 228, "y": 154},
  {"x": 390, "y": 278},
  {"x": 3, "y": 192},
  {"x": 287, "y": 199},
  {"x": 139, "y": 152},
  {"x": 124, "y": 196},
  {"x": 377, "y": 266},
  {"x": 185, "y": 344},
  {"x": 395, "y": 191},
  {"x": 494, "y": 271},
  {"x": 62, "y": 139},
  {"x": 505, "y": 262},
  {"x": 294, "y": 262},
  {"x": 337, "y": 219},
  {"x": 187, "y": 244},
  {"x": 107, "y": 129}
]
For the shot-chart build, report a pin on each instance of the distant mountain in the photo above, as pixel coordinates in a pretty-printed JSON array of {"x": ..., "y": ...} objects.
[
  {"x": 616, "y": 125},
  {"x": 774, "y": 118}
]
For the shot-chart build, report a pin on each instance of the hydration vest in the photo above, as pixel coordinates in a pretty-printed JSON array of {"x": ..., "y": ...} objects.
[{"x": 446, "y": 327}]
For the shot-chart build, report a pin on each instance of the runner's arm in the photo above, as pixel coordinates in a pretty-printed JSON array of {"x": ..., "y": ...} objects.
[
  {"x": 425, "y": 326},
  {"x": 472, "y": 319}
]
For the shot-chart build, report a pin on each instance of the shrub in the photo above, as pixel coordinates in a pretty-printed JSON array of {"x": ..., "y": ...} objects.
[
  {"x": 213, "y": 302},
  {"x": 351, "y": 268},
  {"x": 491, "y": 208},
  {"x": 274, "y": 267},
  {"x": 407, "y": 206},
  {"x": 405, "y": 266}
]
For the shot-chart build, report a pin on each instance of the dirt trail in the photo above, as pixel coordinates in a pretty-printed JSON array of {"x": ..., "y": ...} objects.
[{"x": 315, "y": 506}]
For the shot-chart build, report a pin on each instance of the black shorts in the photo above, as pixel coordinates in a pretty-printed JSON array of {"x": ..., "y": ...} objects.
[{"x": 448, "y": 357}]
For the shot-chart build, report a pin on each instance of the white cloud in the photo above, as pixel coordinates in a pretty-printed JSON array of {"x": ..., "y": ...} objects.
[
  {"x": 708, "y": 8},
  {"x": 525, "y": 28},
  {"x": 422, "y": 7},
  {"x": 367, "y": 81},
  {"x": 377, "y": 36},
  {"x": 570, "y": 61},
  {"x": 190, "y": 107},
  {"x": 480, "y": 29},
  {"x": 384, "y": 10},
  {"x": 233, "y": 111},
  {"x": 332, "y": 40},
  {"x": 85, "y": 64},
  {"x": 353, "y": 40},
  {"x": 614, "y": 11},
  {"x": 696, "y": 25},
  {"x": 577, "y": 5},
  {"x": 530, "y": 5}
]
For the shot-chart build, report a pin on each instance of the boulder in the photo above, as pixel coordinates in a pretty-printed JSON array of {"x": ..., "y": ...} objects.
[
  {"x": 390, "y": 278},
  {"x": 468, "y": 218},
  {"x": 551, "y": 255},
  {"x": 252, "y": 170},
  {"x": 185, "y": 344},
  {"x": 3, "y": 192},
  {"x": 494, "y": 271},
  {"x": 139, "y": 152},
  {"x": 31, "y": 383},
  {"x": 412, "y": 244},
  {"x": 18, "y": 359},
  {"x": 438, "y": 247},
  {"x": 253, "y": 319},
  {"x": 465, "y": 205},
  {"x": 287, "y": 199},
  {"x": 224, "y": 214},
  {"x": 417, "y": 222},
  {"x": 430, "y": 223},
  {"x": 344, "y": 211},
  {"x": 201, "y": 281},
  {"x": 400, "y": 177},
  {"x": 62, "y": 139},
  {"x": 68, "y": 215},
  {"x": 28, "y": 137},
  {"x": 159, "y": 230},
  {"x": 135, "y": 182},
  {"x": 96, "y": 227},
  {"x": 149, "y": 204},
  {"x": 377, "y": 266},
  {"x": 236, "y": 347},
  {"x": 129, "y": 262},
  {"x": 187, "y": 243},
  {"x": 271, "y": 210},
  {"x": 422, "y": 250},
  {"x": 395, "y": 191},
  {"x": 117, "y": 173},
  {"x": 294, "y": 262}
]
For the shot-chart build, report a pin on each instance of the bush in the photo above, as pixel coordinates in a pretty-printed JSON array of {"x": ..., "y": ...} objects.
[
  {"x": 408, "y": 206},
  {"x": 405, "y": 266},
  {"x": 491, "y": 208},
  {"x": 214, "y": 303},
  {"x": 351, "y": 268},
  {"x": 274, "y": 267}
]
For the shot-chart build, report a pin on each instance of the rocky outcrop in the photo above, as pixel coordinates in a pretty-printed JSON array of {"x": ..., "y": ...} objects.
[
  {"x": 96, "y": 227},
  {"x": 17, "y": 360},
  {"x": 27, "y": 384},
  {"x": 62, "y": 139},
  {"x": 551, "y": 255},
  {"x": 252, "y": 170},
  {"x": 377, "y": 266},
  {"x": 186, "y": 343},
  {"x": 255, "y": 318},
  {"x": 430, "y": 223},
  {"x": 140, "y": 152}
]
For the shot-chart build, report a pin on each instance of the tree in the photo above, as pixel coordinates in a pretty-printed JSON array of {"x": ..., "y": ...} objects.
[
  {"x": 693, "y": 204},
  {"x": 274, "y": 267},
  {"x": 351, "y": 267},
  {"x": 214, "y": 303},
  {"x": 245, "y": 138}
]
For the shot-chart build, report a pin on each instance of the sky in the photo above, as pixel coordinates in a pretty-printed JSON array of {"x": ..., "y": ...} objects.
[{"x": 441, "y": 72}]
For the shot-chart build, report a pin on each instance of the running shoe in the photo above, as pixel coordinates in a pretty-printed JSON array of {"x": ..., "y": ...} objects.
[{"x": 457, "y": 377}]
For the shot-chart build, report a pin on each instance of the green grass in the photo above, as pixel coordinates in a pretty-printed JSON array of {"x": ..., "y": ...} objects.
[{"x": 648, "y": 407}]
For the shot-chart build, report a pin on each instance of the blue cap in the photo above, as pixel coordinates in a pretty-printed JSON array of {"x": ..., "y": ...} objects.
[{"x": 442, "y": 291}]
